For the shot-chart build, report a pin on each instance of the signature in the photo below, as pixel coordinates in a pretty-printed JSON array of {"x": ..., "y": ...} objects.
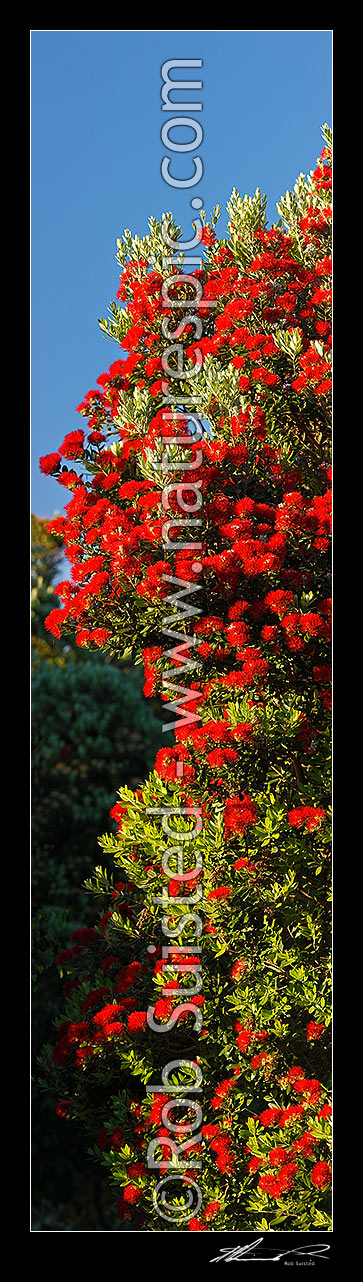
[{"x": 254, "y": 1251}]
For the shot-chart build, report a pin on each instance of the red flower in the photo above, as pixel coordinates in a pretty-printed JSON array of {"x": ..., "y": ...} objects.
[
  {"x": 53, "y": 621},
  {"x": 255, "y": 1164},
  {"x": 107, "y": 1014},
  {"x": 280, "y": 1183},
  {"x": 240, "y": 812},
  {"x": 278, "y": 1156},
  {"x": 49, "y": 463},
  {"x": 309, "y": 1087},
  {"x": 85, "y": 935},
  {"x": 63, "y": 1108},
  {"x": 211, "y": 1210},
  {"x": 99, "y": 636},
  {"x": 208, "y": 236},
  {"x": 270, "y": 1116},
  {"x": 132, "y": 1193},
  {"x": 137, "y": 1170},
  {"x": 305, "y": 1144},
  {"x": 222, "y": 756},
  {"x": 102, "y": 1138},
  {"x": 244, "y": 1038},
  {"x": 314, "y": 1031},
  {"x": 72, "y": 446},
  {"x": 288, "y": 1115},
  {"x": 137, "y": 1021},
  {"x": 326, "y": 1111},
  {"x": 321, "y": 1174},
  {"x": 221, "y": 892},
  {"x": 82, "y": 1054},
  {"x": 309, "y": 816}
]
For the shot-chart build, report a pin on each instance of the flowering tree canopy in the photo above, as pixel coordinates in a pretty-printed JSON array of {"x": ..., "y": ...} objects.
[{"x": 199, "y": 541}]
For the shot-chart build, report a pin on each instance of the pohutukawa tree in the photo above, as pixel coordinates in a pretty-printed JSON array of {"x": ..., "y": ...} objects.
[{"x": 198, "y": 536}]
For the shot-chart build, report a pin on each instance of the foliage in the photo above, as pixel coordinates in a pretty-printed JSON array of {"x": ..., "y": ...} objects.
[
  {"x": 91, "y": 727},
  {"x": 252, "y": 728}
]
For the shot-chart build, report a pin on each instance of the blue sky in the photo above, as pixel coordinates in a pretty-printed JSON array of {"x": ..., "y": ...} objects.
[{"x": 95, "y": 164}]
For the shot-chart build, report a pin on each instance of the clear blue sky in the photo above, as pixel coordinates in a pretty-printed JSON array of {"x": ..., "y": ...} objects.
[{"x": 96, "y": 155}]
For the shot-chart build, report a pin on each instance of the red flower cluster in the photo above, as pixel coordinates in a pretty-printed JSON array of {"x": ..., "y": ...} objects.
[{"x": 309, "y": 817}]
